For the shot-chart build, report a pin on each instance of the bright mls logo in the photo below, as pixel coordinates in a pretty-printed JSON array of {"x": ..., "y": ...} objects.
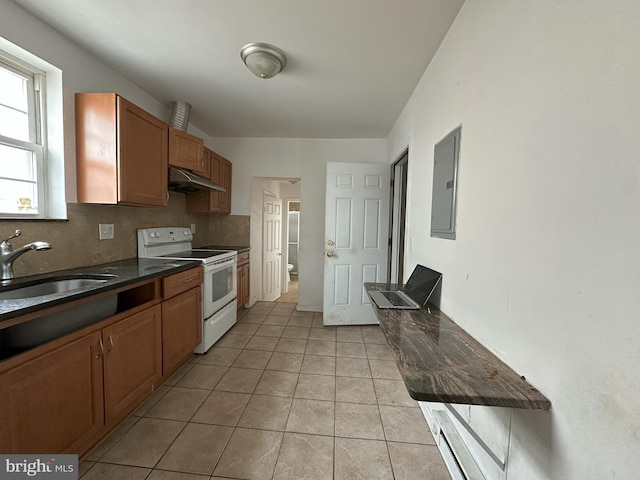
[{"x": 57, "y": 467}]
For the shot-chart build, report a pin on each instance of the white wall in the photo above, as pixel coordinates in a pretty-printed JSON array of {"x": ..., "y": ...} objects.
[
  {"x": 298, "y": 158},
  {"x": 545, "y": 269}
]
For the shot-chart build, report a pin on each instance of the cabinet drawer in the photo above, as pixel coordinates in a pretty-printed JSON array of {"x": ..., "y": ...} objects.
[
  {"x": 243, "y": 258},
  {"x": 181, "y": 282}
]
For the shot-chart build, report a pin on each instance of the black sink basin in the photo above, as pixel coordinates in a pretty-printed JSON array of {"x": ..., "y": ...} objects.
[
  {"x": 21, "y": 337},
  {"x": 51, "y": 285}
]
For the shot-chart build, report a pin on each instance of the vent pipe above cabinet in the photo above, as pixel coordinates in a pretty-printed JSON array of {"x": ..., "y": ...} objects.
[{"x": 180, "y": 115}]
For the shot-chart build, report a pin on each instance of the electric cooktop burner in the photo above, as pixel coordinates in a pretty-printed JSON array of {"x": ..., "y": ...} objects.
[{"x": 196, "y": 254}]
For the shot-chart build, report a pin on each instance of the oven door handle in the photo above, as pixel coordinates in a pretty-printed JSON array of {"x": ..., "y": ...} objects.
[{"x": 220, "y": 264}]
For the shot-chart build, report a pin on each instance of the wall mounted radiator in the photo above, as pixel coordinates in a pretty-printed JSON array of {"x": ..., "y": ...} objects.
[{"x": 462, "y": 463}]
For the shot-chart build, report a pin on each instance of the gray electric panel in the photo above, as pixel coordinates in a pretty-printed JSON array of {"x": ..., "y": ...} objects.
[{"x": 445, "y": 172}]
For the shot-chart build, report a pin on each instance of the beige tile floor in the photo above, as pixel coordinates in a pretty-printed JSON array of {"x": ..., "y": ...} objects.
[
  {"x": 278, "y": 397},
  {"x": 291, "y": 296}
]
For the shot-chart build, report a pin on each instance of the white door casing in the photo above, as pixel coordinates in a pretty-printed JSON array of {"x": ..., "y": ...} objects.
[
  {"x": 272, "y": 247},
  {"x": 356, "y": 240}
]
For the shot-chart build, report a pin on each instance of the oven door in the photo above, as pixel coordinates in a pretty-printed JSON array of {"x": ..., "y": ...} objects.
[{"x": 220, "y": 285}]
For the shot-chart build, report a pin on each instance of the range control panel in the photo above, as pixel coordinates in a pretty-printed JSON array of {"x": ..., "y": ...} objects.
[{"x": 162, "y": 235}]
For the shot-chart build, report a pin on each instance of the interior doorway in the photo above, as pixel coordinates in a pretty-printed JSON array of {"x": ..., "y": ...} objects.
[
  {"x": 291, "y": 251},
  {"x": 283, "y": 190},
  {"x": 398, "y": 218}
]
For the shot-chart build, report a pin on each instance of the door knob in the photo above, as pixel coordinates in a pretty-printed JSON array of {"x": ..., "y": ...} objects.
[
  {"x": 330, "y": 242},
  {"x": 329, "y": 254}
]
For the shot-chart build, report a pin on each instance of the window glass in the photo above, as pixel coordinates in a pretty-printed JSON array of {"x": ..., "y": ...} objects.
[
  {"x": 14, "y": 105},
  {"x": 18, "y": 181},
  {"x": 17, "y": 163}
]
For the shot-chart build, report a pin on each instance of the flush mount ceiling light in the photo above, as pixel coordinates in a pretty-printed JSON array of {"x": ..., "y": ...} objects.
[{"x": 264, "y": 60}]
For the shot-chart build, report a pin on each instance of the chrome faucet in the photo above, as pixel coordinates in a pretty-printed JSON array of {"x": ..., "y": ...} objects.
[{"x": 8, "y": 255}]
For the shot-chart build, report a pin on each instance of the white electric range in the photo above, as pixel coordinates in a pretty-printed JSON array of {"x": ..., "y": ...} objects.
[{"x": 219, "y": 288}]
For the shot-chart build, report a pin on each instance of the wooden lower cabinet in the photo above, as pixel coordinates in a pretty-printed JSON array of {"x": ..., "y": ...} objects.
[
  {"x": 132, "y": 362},
  {"x": 243, "y": 279},
  {"x": 64, "y": 399},
  {"x": 181, "y": 328},
  {"x": 54, "y": 403}
]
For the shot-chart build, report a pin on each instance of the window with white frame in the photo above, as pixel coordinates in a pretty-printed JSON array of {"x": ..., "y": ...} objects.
[
  {"x": 21, "y": 143},
  {"x": 31, "y": 167}
]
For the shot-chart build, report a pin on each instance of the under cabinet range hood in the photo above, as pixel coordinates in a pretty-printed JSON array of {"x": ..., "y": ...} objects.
[{"x": 188, "y": 182}]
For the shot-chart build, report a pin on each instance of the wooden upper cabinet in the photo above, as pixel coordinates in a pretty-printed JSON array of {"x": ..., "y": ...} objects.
[
  {"x": 185, "y": 151},
  {"x": 220, "y": 202},
  {"x": 214, "y": 202},
  {"x": 205, "y": 171},
  {"x": 121, "y": 152}
]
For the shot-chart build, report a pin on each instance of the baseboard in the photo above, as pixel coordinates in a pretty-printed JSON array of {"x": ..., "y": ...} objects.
[{"x": 309, "y": 308}]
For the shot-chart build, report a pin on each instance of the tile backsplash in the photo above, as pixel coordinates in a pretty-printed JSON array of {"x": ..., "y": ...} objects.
[{"x": 75, "y": 242}]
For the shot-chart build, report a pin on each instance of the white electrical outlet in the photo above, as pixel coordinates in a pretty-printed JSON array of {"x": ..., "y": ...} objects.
[
  {"x": 193, "y": 228},
  {"x": 106, "y": 231}
]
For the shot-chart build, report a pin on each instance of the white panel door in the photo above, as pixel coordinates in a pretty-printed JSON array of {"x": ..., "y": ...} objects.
[
  {"x": 356, "y": 237},
  {"x": 272, "y": 247}
]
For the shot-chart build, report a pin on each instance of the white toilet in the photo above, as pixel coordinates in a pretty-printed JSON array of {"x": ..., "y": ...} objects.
[{"x": 289, "y": 268}]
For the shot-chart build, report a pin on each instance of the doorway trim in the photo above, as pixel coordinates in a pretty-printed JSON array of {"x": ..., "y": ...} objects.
[
  {"x": 285, "y": 239},
  {"x": 398, "y": 211}
]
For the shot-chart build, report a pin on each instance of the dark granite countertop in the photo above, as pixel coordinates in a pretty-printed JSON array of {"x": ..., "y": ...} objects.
[
  {"x": 440, "y": 362},
  {"x": 126, "y": 271}
]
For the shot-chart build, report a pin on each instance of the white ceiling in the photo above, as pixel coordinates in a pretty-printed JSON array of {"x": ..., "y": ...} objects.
[{"x": 352, "y": 64}]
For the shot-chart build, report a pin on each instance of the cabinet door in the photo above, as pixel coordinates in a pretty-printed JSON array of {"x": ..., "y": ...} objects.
[
  {"x": 220, "y": 202},
  {"x": 225, "y": 202},
  {"x": 181, "y": 328},
  {"x": 240, "y": 287},
  {"x": 214, "y": 202},
  {"x": 205, "y": 167},
  {"x": 54, "y": 403},
  {"x": 244, "y": 297},
  {"x": 143, "y": 151},
  {"x": 247, "y": 279},
  {"x": 132, "y": 362},
  {"x": 185, "y": 150},
  {"x": 215, "y": 198},
  {"x": 96, "y": 147}
]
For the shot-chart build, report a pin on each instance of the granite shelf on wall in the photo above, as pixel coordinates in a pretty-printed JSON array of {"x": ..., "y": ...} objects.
[{"x": 440, "y": 362}]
